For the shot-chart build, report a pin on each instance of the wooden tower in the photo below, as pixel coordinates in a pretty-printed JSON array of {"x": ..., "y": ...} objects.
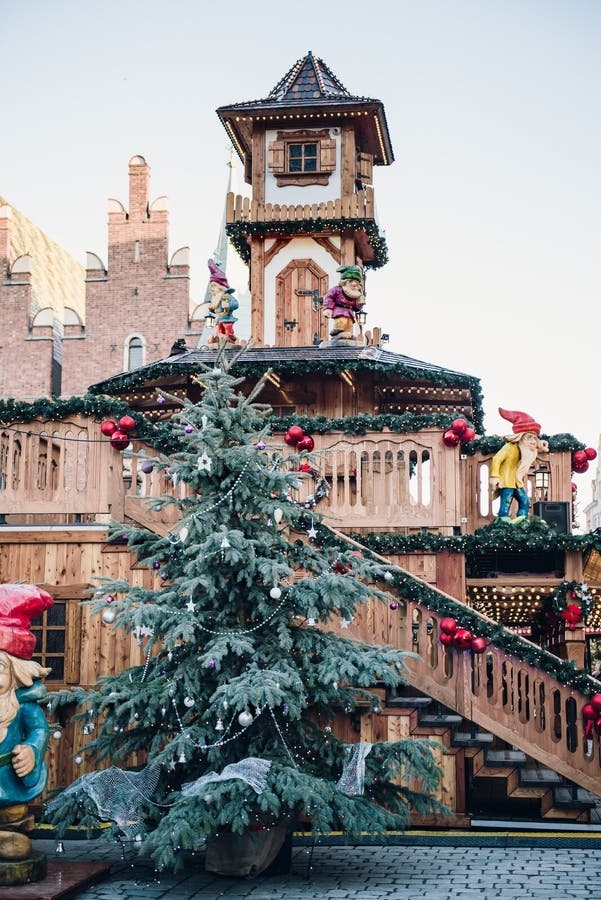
[{"x": 308, "y": 149}]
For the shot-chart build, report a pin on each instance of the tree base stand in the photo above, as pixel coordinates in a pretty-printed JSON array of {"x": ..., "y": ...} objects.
[
  {"x": 23, "y": 871},
  {"x": 244, "y": 855}
]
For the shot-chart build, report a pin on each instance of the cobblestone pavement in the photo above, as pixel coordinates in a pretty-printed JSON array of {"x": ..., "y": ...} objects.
[{"x": 360, "y": 873}]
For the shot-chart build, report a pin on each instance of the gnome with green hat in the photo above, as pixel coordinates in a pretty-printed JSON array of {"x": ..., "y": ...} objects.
[{"x": 343, "y": 302}]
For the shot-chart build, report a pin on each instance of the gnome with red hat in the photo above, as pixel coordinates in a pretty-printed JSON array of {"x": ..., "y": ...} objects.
[
  {"x": 23, "y": 726},
  {"x": 510, "y": 466},
  {"x": 222, "y": 304}
]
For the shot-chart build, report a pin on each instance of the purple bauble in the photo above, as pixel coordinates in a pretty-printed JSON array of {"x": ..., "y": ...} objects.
[
  {"x": 212, "y": 663},
  {"x": 261, "y": 445},
  {"x": 394, "y": 605},
  {"x": 156, "y": 565},
  {"x": 160, "y": 400},
  {"x": 125, "y": 538},
  {"x": 188, "y": 429},
  {"x": 147, "y": 467},
  {"x": 164, "y": 576}
]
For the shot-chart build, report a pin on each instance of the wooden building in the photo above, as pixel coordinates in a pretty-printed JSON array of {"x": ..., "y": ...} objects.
[{"x": 509, "y": 720}]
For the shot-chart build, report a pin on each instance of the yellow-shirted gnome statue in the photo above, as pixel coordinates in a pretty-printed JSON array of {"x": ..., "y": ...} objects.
[
  {"x": 510, "y": 466},
  {"x": 23, "y": 726}
]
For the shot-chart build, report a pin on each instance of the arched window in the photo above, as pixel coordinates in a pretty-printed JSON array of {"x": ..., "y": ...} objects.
[{"x": 134, "y": 352}]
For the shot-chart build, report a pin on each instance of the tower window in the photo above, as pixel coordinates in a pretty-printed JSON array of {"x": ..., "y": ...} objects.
[
  {"x": 135, "y": 353},
  {"x": 302, "y": 157}
]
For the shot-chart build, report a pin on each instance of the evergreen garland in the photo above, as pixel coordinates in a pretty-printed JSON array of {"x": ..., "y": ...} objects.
[
  {"x": 299, "y": 367},
  {"x": 238, "y": 232},
  {"x": 411, "y": 588}
]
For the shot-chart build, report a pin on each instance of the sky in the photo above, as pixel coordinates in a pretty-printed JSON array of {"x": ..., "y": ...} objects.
[{"x": 492, "y": 208}]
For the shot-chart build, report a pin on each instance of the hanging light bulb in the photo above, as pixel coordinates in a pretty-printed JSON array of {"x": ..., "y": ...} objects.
[
  {"x": 225, "y": 543},
  {"x": 60, "y": 847},
  {"x": 219, "y": 725},
  {"x": 277, "y": 515}
]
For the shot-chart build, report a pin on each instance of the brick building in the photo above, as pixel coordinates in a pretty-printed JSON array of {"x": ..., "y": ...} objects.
[{"x": 65, "y": 327}]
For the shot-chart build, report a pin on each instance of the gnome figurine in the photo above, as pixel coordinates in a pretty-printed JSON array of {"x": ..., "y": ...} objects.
[
  {"x": 510, "y": 466},
  {"x": 23, "y": 726},
  {"x": 343, "y": 302},
  {"x": 222, "y": 304}
]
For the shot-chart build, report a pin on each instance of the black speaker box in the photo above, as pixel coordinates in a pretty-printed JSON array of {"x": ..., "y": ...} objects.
[{"x": 555, "y": 514}]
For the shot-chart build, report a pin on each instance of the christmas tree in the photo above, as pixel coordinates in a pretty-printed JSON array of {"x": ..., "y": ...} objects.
[{"x": 237, "y": 671}]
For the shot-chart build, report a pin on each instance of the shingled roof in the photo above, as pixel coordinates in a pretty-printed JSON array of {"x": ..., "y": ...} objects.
[
  {"x": 309, "y": 85},
  {"x": 57, "y": 280}
]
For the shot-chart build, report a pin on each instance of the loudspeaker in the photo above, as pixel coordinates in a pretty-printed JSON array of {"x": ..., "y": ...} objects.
[{"x": 557, "y": 515}]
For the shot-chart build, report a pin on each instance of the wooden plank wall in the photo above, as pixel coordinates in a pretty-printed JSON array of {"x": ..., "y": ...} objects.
[{"x": 70, "y": 561}]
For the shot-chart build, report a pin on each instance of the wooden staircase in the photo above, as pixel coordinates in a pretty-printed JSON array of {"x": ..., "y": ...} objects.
[{"x": 503, "y": 783}]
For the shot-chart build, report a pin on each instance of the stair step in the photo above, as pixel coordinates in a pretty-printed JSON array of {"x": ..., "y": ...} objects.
[
  {"x": 575, "y": 815},
  {"x": 443, "y": 721},
  {"x": 465, "y": 739},
  {"x": 565, "y": 796},
  {"x": 505, "y": 757},
  {"x": 529, "y": 776},
  {"x": 409, "y": 702}
]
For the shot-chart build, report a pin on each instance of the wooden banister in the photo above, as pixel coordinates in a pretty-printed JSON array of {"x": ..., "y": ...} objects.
[{"x": 512, "y": 699}]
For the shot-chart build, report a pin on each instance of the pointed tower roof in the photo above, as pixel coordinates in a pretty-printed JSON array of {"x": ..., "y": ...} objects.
[
  {"x": 308, "y": 79},
  {"x": 309, "y": 89}
]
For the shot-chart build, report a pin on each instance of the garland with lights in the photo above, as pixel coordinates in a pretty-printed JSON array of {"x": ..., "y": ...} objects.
[
  {"x": 238, "y": 232},
  {"x": 533, "y": 535},
  {"x": 301, "y": 367},
  {"x": 411, "y": 588}
]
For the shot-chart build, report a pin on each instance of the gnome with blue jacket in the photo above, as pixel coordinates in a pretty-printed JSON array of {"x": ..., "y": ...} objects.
[{"x": 23, "y": 726}]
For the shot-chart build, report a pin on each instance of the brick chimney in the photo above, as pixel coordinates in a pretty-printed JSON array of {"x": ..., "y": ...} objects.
[{"x": 139, "y": 182}]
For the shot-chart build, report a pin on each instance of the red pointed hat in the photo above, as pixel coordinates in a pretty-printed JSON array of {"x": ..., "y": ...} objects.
[
  {"x": 522, "y": 422},
  {"x": 217, "y": 275},
  {"x": 19, "y": 604}
]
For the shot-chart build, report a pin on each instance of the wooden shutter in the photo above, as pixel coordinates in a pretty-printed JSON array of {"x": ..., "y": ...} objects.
[
  {"x": 277, "y": 157},
  {"x": 327, "y": 155},
  {"x": 365, "y": 166}
]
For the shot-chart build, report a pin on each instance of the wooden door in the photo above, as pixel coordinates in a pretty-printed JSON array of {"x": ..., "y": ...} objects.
[{"x": 298, "y": 324}]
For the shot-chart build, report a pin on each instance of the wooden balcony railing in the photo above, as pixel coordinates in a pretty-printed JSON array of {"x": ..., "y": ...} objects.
[
  {"x": 353, "y": 206},
  {"x": 377, "y": 480},
  {"x": 519, "y": 703},
  {"x": 59, "y": 469}
]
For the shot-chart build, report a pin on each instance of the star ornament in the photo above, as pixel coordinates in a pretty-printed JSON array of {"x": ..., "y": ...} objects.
[
  {"x": 190, "y": 605},
  {"x": 204, "y": 462},
  {"x": 312, "y": 532}
]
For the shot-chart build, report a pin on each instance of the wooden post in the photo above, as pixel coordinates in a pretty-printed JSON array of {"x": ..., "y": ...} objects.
[{"x": 257, "y": 277}]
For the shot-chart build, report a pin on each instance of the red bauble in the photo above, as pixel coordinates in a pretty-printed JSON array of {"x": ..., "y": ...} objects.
[
  {"x": 463, "y": 638},
  {"x": 295, "y": 433},
  {"x": 448, "y": 625},
  {"x": 574, "y": 486},
  {"x": 306, "y": 443},
  {"x": 446, "y": 639},
  {"x": 450, "y": 438},
  {"x": 478, "y": 644},
  {"x": 591, "y": 453},
  {"x": 459, "y": 426},
  {"x": 589, "y": 711},
  {"x": 126, "y": 424},
  {"x": 291, "y": 441},
  {"x": 595, "y": 702},
  {"x": 108, "y": 428},
  {"x": 304, "y": 467},
  {"x": 119, "y": 440},
  {"x": 579, "y": 457},
  {"x": 468, "y": 435},
  {"x": 579, "y": 468}
]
